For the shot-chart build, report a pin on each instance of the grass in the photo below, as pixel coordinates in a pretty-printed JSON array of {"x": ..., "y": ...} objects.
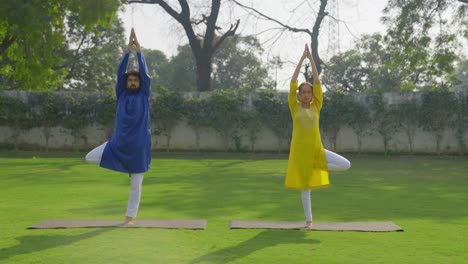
[{"x": 426, "y": 196}]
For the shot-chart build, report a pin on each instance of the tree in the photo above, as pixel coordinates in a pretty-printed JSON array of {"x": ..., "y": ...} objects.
[
  {"x": 91, "y": 54},
  {"x": 332, "y": 116},
  {"x": 203, "y": 46},
  {"x": 274, "y": 114},
  {"x": 48, "y": 113},
  {"x": 182, "y": 71},
  {"x": 408, "y": 117},
  {"x": 314, "y": 33},
  {"x": 196, "y": 112},
  {"x": 461, "y": 77},
  {"x": 344, "y": 73},
  {"x": 105, "y": 112},
  {"x": 225, "y": 115},
  {"x": 237, "y": 64},
  {"x": 32, "y": 33},
  {"x": 436, "y": 113},
  {"x": 460, "y": 122},
  {"x": 166, "y": 112},
  {"x": 252, "y": 125},
  {"x": 424, "y": 61},
  {"x": 158, "y": 67},
  {"x": 384, "y": 119},
  {"x": 358, "y": 118},
  {"x": 16, "y": 114},
  {"x": 276, "y": 63},
  {"x": 79, "y": 113},
  {"x": 366, "y": 67}
]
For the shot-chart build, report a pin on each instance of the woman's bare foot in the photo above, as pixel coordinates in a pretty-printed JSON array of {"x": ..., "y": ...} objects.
[
  {"x": 128, "y": 221},
  {"x": 308, "y": 224}
]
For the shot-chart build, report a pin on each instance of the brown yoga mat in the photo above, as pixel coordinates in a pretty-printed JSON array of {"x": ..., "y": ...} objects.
[
  {"x": 337, "y": 226},
  {"x": 170, "y": 224}
]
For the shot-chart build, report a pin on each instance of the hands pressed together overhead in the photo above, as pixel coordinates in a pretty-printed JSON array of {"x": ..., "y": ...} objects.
[
  {"x": 307, "y": 53},
  {"x": 133, "y": 41}
]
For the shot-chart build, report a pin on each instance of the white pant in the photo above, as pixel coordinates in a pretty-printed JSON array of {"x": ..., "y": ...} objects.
[
  {"x": 335, "y": 163},
  {"x": 136, "y": 180}
]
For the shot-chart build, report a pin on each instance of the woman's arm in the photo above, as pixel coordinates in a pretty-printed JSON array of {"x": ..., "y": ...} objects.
[
  {"x": 317, "y": 86},
  {"x": 298, "y": 67},
  {"x": 315, "y": 73},
  {"x": 292, "y": 98}
]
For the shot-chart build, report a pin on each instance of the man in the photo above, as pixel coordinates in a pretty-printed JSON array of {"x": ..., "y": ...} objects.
[{"x": 129, "y": 148}]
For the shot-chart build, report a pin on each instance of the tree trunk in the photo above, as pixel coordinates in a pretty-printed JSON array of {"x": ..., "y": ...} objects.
[
  {"x": 168, "y": 141},
  {"x": 226, "y": 142},
  {"x": 385, "y": 143},
  {"x": 46, "y": 136},
  {"x": 279, "y": 144},
  {"x": 197, "y": 139},
  {"x": 359, "y": 141},
  {"x": 203, "y": 73},
  {"x": 410, "y": 140},
  {"x": 438, "y": 141}
]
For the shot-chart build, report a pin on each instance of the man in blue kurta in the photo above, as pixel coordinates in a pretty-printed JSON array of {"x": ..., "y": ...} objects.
[{"x": 129, "y": 148}]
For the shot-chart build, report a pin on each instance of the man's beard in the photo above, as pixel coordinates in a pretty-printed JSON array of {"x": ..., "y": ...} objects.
[{"x": 133, "y": 88}]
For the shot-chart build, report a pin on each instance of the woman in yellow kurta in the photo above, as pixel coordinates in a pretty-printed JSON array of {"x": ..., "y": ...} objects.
[{"x": 308, "y": 161}]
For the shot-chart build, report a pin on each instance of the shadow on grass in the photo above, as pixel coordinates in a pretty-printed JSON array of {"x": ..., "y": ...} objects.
[
  {"x": 263, "y": 240},
  {"x": 34, "y": 243},
  {"x": 375, "y": 189}
]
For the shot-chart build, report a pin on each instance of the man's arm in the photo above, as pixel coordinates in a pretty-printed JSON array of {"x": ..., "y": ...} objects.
[
  {"x": 145, "y": 79},
  {"x": 122, "y": 68}
]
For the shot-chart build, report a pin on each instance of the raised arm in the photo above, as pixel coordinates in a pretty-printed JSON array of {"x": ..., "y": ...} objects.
[
  {"x": 145, "y": 79},
  {"x": 314, "y": 67},
  {"x": 317, "y": 86},
  {"x": 298, "y": 67},
  {"x": 121, "y": 70},
  {"x": 292, "y": 98}
]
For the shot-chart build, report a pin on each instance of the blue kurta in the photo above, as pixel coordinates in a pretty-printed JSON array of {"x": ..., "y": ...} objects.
[{"x": 129, "y": 148}]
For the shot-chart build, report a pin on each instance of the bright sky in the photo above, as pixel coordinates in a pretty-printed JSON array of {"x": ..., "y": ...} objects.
[{"x": 157, "y": 30}]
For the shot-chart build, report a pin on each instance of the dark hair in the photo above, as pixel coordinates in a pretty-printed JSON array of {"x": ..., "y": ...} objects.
[
  {"x": 132, "y": 73},
  {"x": 305, "y": 83}
]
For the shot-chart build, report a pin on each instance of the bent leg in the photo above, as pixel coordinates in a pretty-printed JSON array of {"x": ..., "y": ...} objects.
[
  {"x": 95, "y": 155},
  {"x": 336, "y": 162}
]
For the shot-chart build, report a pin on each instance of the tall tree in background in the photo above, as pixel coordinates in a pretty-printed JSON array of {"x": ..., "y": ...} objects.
[
  {"x": 204, "y": 45},
  {"x": 90, "y": 55},
  {"x": 236, "y": 64},
  {"x": 425, "y": 61},
  {"x": 32, "y": 33},
  {"x": 182, "y": 71},
  {"x": 367, "y": 67},
  {"x": 461, "y": 76},
  {"x": 312, "y": 30},
  {"x": 158, "y": 67}
]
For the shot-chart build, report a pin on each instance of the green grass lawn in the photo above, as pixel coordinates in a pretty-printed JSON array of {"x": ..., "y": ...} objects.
[{"x": 426, "y": 196}]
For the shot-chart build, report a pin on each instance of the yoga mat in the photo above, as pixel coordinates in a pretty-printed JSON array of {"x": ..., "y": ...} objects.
[
  {"x": 151, "y": 223},
  {"x": 323, "y": 226}
]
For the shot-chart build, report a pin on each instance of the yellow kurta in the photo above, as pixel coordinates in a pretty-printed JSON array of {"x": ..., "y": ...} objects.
[{"x": 307, "y": 165}]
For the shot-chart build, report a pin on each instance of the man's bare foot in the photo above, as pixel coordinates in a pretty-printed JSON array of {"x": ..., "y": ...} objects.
[
  {"x": 308, "y": 224},
  {"x": 128, "y": 221}
]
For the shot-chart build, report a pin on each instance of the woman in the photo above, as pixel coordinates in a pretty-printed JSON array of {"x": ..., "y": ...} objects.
[{"x": 308, "y": 161}]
